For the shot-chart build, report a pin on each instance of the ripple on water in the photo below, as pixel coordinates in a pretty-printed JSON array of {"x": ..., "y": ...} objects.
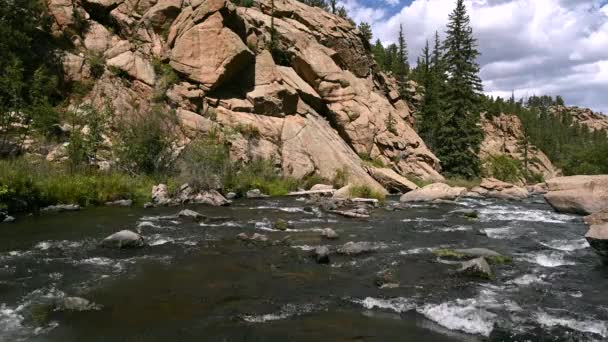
[
  {"x": 398, "y": 304},
  {"x": 567, "y": 245},
  {"x": 585, "y": 326},
  {"x": 548, "y": 259},
  {"x": 512, "y": 213},
  {"x": 287, "y": 311}
]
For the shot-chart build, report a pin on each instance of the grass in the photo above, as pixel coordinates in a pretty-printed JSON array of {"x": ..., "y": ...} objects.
[
  {"x": 367, "y": 160},
  {"x": 464, "y": 183},
  {"x": 364, "y": 191},
  {"x": 259, "y": 174},
  {"x": 32, "y": 184},
  {"x": 419, "y": 181}
]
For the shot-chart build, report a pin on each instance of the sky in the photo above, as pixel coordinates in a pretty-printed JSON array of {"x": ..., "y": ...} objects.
[{"x": 532, "y": 47}]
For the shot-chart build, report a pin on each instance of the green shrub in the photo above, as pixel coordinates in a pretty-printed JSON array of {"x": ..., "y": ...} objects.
[
  {"x": 364, "y": 191},
  {"x": 504, "y": 168},
  {"x": 535, "y": 178},
  {"x": 462, "y": 182},
  {"x": 96, "y": 64},
  {"x": 204, "y": 164},
  {"x": 419, "y": 181},
  {"x": 166, "y": 78},
  {"x": 368, "y": 160},
  {"x": 314, "y": 179},
  {"x": 145, "y": 143},
  {"x": 83, "y": 148},
  {"x": 259, "y": 174},
  {"x": 248, "y": 131},
  {"x": 340, "y": 178}
]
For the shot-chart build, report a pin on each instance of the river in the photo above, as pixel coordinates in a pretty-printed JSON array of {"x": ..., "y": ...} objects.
[{"x": 197, "y": 282}]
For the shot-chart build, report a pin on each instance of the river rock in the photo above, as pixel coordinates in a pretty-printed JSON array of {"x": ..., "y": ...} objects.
[
  {"x": 350, "y": 213},
  {"x": 259, "y": 237},
  {"x": 597, "y": 236},
  {"x": 599, "y": 217},
  {"x": 160, "y": 194},
  {"x": 191, "y": 214},
  {"x": 123, "y": 239},
  {"x": 476, "y": 268},
  {"x": 210, "y": 197},
  {"x": 432, "y": 192},
  {"x": 494, "y": 188},
  {"x": 538, "y": 189},
  {"x": 386, "y": 278},
  {"x": 330, "y": 234},
  {"x": 8, "y": 219},
  {"x": 321, "y": 187},
  {"x": 231, "y": 195},
  {"x": 357, "y": 248},
  {"x": 62, "y": 208},
  {"x": 77, "y": 304},
  {"x": 120, "y": 203},
  {"x": 391, "y": 180},
  {"x": 321, "y": 255},
  {"x": 578, "y": 194},
  {"x": 255, "y": 193}
]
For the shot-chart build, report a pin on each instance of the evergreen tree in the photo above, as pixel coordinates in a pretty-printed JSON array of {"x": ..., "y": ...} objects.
[
  {"x": 332, "y": 4},
  {"x": 459, "y": 138},
  {"x": 400, "y": 64},
  {"x": 379, "y": 54},
  {"x": 366, "y": 31},
  {"x": 390, "y": 55}
]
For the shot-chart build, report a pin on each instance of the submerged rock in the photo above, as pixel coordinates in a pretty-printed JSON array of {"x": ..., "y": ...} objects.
[
  {"x": 61, "y": 208},
  {"x": 120, "y": 203},
  {"x": 321, "y": 255},
  {"x": 330, "y": 234},
  {"x": 350, "y": 213},
  {"x": 255, "y": 193},
  {"x": 386, "y": 278},
  {"x": 77, "y": 304},
  {"x": 254, "y": 238},
  {"x": 432, "y": 192},
  {"x": 123, "y": 239},
  {"x": 476, "y": 268},
  {"x": 471, "y": 253},
  {"x": 280, "y": 224},
  {"x": 597, "y": 236},
  {"x": 357, "y": 248},
  {"x": 191, "y": 214}
]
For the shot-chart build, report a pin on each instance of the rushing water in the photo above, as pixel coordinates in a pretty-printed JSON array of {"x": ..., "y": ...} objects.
[{"x": 197, "y": 282}]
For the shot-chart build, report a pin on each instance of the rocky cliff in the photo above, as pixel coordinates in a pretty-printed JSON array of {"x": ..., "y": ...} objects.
[
  {"x": 504, "y": 136},
  {"x": 314, "y": 94},
  {"x": 584, "y": 116}
]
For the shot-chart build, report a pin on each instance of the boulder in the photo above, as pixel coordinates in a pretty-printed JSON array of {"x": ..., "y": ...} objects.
[
  {"x": 123, "y": 239},
  {"x": 210, "y": 197},
  {"x": 135, "y": 65},
  {"x": 321, "y": 187},
  {"x": 537, "y": 189},
  {"x": 391, "y": 180},
  {"x": 432, "y": 192},
  {"x": 160, "y": 194},
  {"x": 321, "y": 255},
  {"x": 599, "y": 217},
  {"x": 357, "y": 248},
  {"x": 478, "y": 268},
  {"x": 280, "y": 224},
  {"x": 494, "y": 188},
  {"x": 259, "y": 237},
  {"x": 330, "y": 234},
  {"x": 209, "y": 53},
  {"x": 231, "y": 195},
  {"x": 191, "y": 214},
  {"x": 578, "y": 194},
  {"x": 8, "y": 219},
  {"x": 61, "y": 208},
  {"x": 472, "y": 253},
  {"x": 255, "y": 193},
  {"x": 597, "y": 236}
]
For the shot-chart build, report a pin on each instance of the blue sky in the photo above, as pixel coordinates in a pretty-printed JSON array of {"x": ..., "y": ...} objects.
[{"x": 529, "y": 46}]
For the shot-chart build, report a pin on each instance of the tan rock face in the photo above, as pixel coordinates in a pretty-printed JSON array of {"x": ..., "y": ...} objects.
[
  {"x": 503, "y": 136},
  {"x": 209, "y": 53},
  {"x": 432, "y": 192},
  {"x": 391, "y": 180},
  {"x": 578, "y": 194},
  {"x": 599, "y": 217},
  {"x": 584, "y": 116},
  {"x": 136, "y": 65}
]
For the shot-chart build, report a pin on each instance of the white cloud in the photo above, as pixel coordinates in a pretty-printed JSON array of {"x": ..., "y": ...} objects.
[
  {"x": 530, "y": 46},
  {"x": 392, "y": 2}
]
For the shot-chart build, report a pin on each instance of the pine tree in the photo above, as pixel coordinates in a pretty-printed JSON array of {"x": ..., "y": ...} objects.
[
  {"x": 378, "y": 52},
  {"x": 401, "y": 65},
  {"x": 459, "y": 138},
  {"x": 390, "y": 55},
  {"x": 332, "y": 4},
  {"x": 366, "y": 31}
]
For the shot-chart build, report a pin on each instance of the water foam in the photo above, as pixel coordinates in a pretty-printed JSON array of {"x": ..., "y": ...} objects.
[
  {"x": 288, "y": 310},
  {"x": 552, "y": 259},
  {"x": 586, "y": 326},
  {"x": 502, "y": 213},
  {"x": 398, "y": 304},
  {"x": 567, "y": 245}
]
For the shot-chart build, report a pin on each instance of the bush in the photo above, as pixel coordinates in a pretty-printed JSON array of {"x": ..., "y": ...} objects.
[
  {"x": 419, "y": 181},
  {"x": 83, "y": 147},
  {"x": 368, "y": 160},
  {"x": 204, "y": 164},
  {"x": 248, "y": 131},
  {"x": 504, "y": 168},
  {"x": 259, "y": 174},
  {"x": 463, "y": 183},
  {"x": 145, "y": 143},
  {"x": 341, "y": 178},
  {"x": 364, "y": 191},
  {"x": 166, "y": 78},
  {"x": 96, "y": 64}
]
